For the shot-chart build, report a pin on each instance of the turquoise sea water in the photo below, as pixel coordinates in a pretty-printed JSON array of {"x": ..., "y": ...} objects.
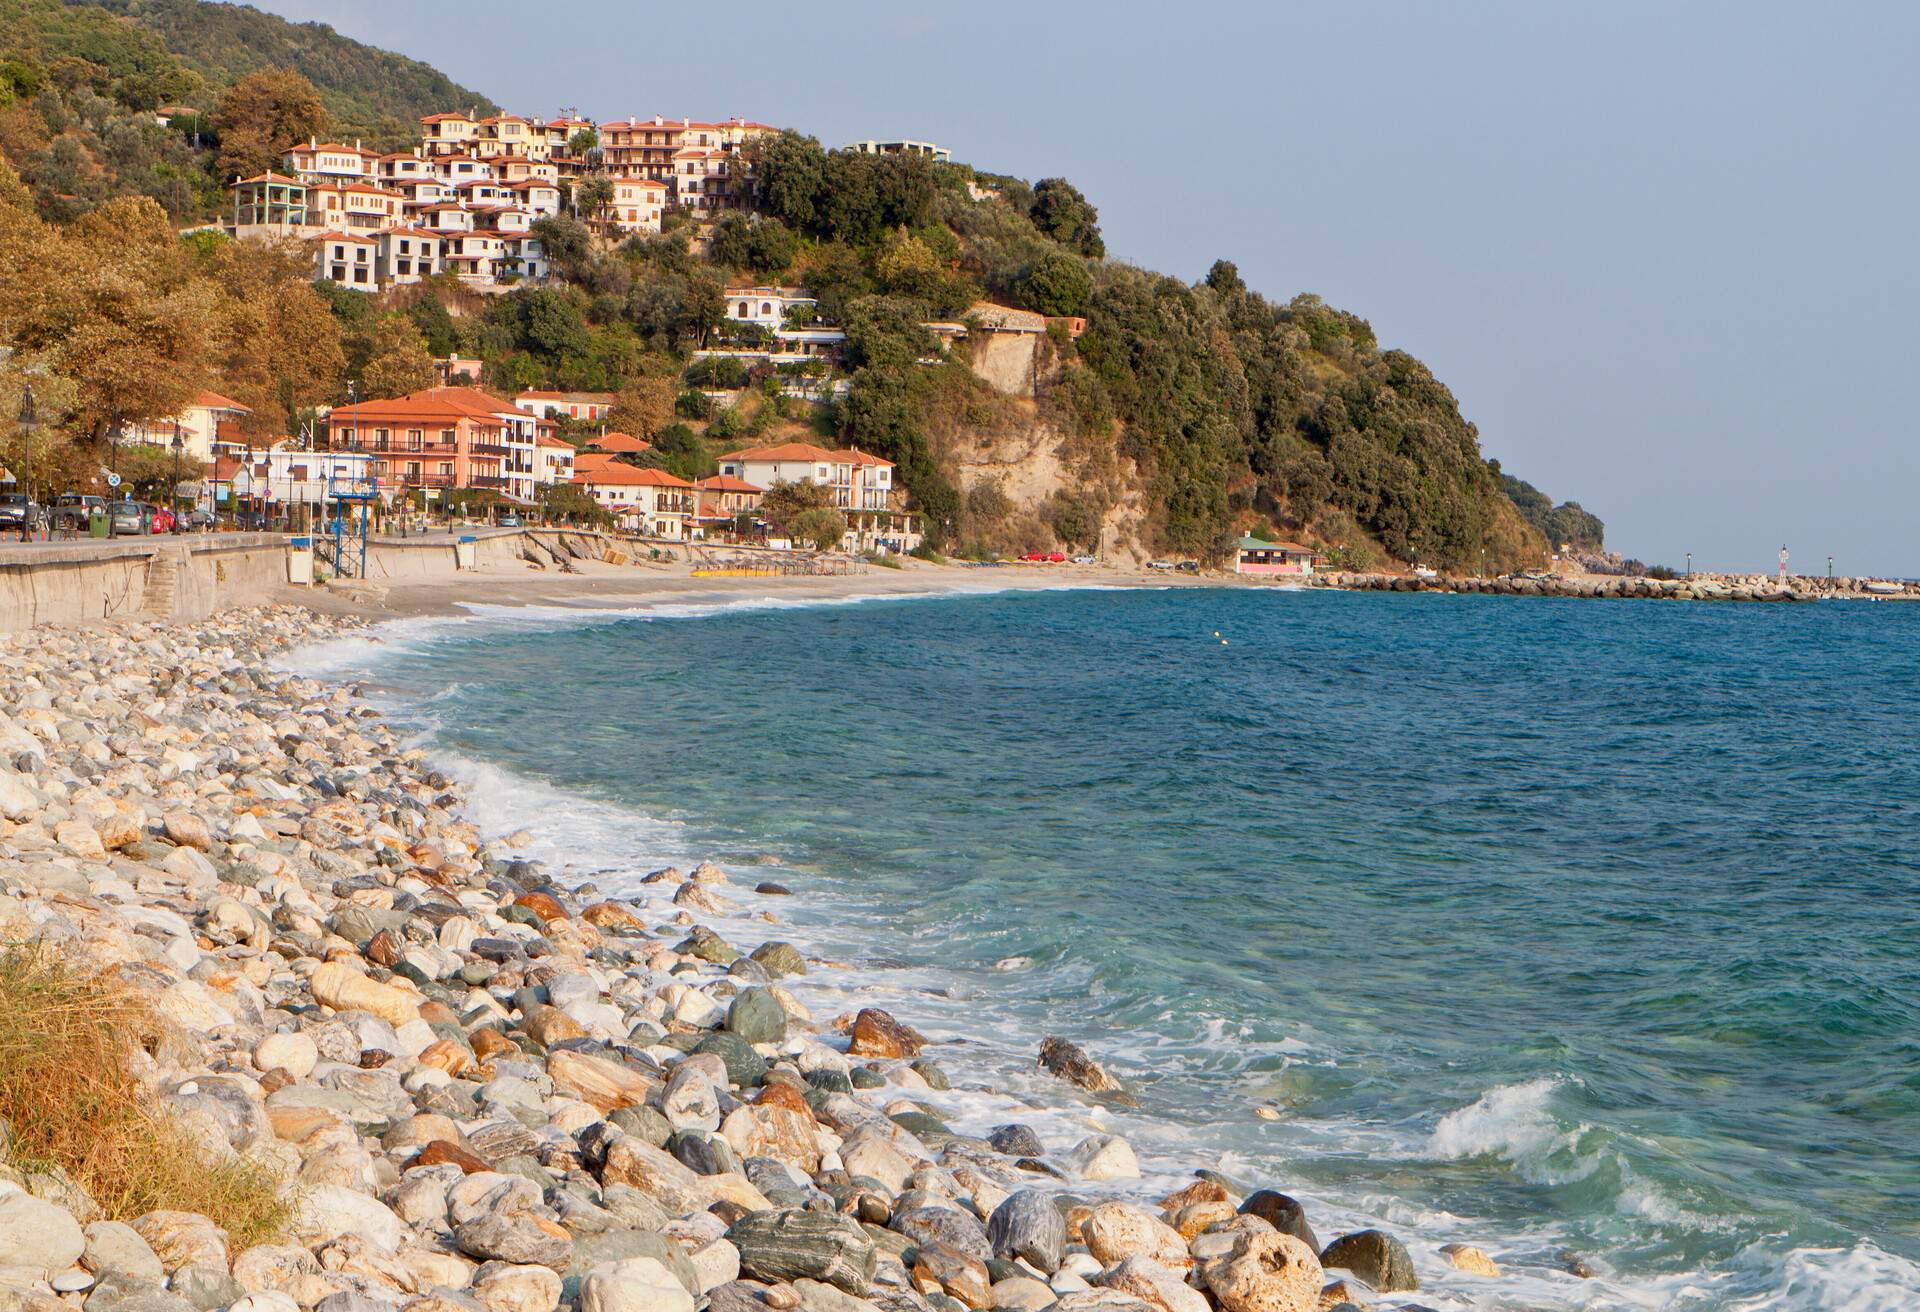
[{"x": 1542, "y": 925}]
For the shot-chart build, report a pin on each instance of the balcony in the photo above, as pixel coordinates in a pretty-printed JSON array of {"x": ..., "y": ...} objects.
[
  {"x": 486, "y": 480},
  {"x": 491, "y": 449},
  {"x": 416, "y": 480},
  {"x": 396, "y": 448}
]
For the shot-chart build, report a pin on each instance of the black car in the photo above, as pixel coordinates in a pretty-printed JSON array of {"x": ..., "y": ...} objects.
[{"x": 18, "y": 511}]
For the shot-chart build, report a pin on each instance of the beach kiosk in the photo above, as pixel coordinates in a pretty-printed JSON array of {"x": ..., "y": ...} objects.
[{"x": 1257, "y": 556}]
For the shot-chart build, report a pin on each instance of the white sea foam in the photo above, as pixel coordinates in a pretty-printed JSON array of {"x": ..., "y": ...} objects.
[{"x": 1513, "y": 1121}]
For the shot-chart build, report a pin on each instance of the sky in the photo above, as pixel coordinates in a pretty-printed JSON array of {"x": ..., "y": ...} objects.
[{"x": 1664, "y": 255}]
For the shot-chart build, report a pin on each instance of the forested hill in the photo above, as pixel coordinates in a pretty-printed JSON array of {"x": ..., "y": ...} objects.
[
  {"x": 1184, "y": 416},
  {"x": 368, "y": 92}
]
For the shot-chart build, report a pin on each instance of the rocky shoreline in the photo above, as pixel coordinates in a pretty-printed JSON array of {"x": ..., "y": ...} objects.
[
  {"x": 475, "y": 1089},
  {"x": 1732, "y": 587}
]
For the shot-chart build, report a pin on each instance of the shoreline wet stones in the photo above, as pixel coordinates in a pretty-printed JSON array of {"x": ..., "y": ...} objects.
[{"x": 483, "y": 1090}]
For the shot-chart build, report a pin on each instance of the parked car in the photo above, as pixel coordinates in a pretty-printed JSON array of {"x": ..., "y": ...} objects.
[
  {"x": 160, "y": 519},
  {"x": 18, "y": 511},
  {"x": 510, "y": 521},
  {"x": 193, "y": 519},
  {"x": 1086, "y": 560},
  {"x": 1046, "y": 557},
  {"x": 72, "y": 510},
  {"x": 1188, "y": 567},
  {"x": 1161, "y": 564},
  {"x": 126, "y": 517}
]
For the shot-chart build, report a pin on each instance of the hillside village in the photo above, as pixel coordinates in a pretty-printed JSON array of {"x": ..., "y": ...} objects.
[{"x": 467, "y": 205}]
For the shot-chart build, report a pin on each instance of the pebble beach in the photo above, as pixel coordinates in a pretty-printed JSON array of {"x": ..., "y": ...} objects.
[{"x": 473, "y": 1085}]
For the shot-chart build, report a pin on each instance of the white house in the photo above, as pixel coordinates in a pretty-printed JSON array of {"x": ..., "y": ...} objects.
[
  {"x": 654, "y": 501},
  {"x": 766, "y": 306},
  {"x": 862, "y": 486},
  {"x": 198, "y": 424}
]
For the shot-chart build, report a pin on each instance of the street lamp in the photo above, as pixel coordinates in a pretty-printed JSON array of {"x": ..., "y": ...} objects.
[
  {"x": 179, "y": 445},
  {"x": 27, "y": 420}
]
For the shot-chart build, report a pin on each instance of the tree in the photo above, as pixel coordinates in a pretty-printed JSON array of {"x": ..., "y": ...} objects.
[
  {"x": 783, "y": 503},
  {"x": 582, "y": 141},
  {"x": 1224, "y": 278},
  {"x": 262, "y": 116},
  {"x": 1057, "y": 284},
  {"x": 592, "y": 195},
  {"x": 568, "y": 245},
  {"x": 392, "y": 359},
  {"x": 565, "y": 501},
  {"x": 431, "y": 317},
  {"x": 886, "y": 332},
  {"x": 277, "y": 341},
  {"x": 787, "y": 179},
  {"x": 679, "y": 451},
  {"x": 761, "y": 245},
  {"x": 644, "y": 406},
  {"x": 824, "y": 528},
  {"x": 112, "y": 303},
  {"x": 1062, "y": 213}
]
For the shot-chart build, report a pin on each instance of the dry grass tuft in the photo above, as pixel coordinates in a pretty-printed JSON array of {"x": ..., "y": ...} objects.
[{"x": 69, "y": 1093}]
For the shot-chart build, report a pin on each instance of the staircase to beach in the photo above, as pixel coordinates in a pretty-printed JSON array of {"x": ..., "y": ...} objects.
[{"x": 163, "y": 575}]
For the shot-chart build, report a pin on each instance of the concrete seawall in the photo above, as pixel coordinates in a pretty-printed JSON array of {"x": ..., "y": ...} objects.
[
  {"x": 166, "y": 578},
  {"x": 189, "y": 577}
]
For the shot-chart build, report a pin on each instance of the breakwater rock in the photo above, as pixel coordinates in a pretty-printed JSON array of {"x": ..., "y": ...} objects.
[
  {"x": 1698, "y": 588},
  {"x": 470, "y": 1086}
]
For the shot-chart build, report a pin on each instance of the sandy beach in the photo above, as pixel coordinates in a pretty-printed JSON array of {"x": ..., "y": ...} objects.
[{"x": 599, "y": 586}]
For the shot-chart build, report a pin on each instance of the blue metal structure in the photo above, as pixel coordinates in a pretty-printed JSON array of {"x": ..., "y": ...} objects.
[{"x": 350, "y": 505}]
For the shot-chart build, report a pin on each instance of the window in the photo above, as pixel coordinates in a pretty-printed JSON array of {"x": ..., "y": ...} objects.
[
  {"x": 446, "y": 468},
  {"x": 413, "y": 439},
  {"x": 413, "y": 470}
]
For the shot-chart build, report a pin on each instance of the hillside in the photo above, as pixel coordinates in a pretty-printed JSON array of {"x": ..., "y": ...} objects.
[
  {"x": 79, "y": 80},
  {"x": 369, "y": 92},
  {"x": 1182, "y": 417}
]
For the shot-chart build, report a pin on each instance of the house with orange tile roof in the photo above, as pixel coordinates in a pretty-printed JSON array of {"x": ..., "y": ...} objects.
[
  {"x": 618, "y": 443},
  {"x": 862, "y": 484},
  {"x": 355, "y": 206},
  {"x": 555, "y": 459},
  {"x": 448, "y": 134},
  {"x": 267, "y": 205},
  {"x": 437, "y": 439},
  {"x": 720, "y": 499},
  {"x": 651, "y": 500},
  {"x": 348, "y": 258},
  {"x": 199, "y": 426},
  {"x": 405, "y": 254},
  {"x": 332, "y": 161},
  {"x": 637, "y": 206},
  {"x": 566, "y": 405}
]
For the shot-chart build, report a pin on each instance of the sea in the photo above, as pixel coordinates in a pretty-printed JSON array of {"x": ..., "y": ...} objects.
[{"x": 1587, "y": 933}]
